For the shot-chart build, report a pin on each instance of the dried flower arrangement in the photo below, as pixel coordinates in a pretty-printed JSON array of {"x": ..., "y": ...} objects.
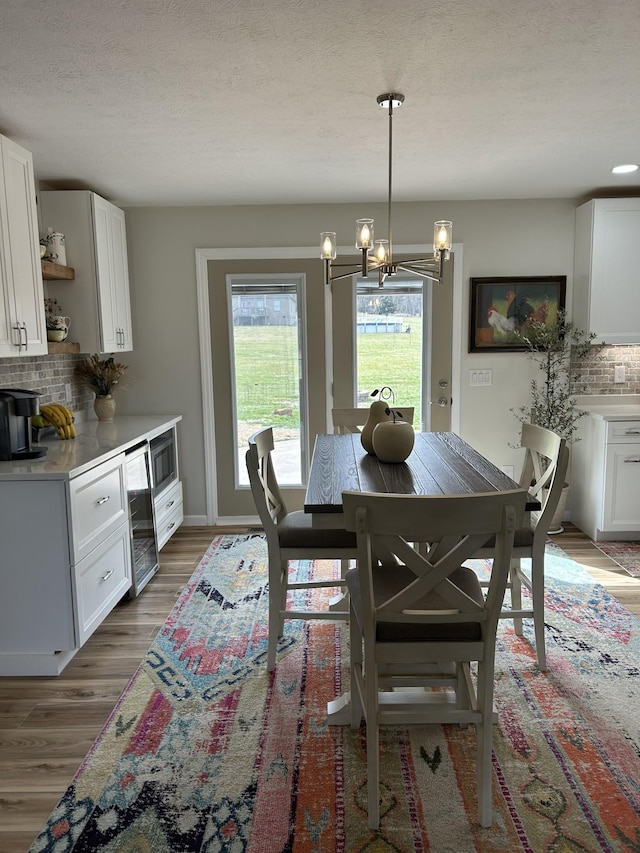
[
  {"x": 52, "y": 313},
  {"x": 101, "y": 375}
]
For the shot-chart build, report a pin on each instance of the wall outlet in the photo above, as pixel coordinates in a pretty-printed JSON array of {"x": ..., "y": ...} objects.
[
  {"x": 618, "y": 373},
  {"x": 68, "y": 392}
]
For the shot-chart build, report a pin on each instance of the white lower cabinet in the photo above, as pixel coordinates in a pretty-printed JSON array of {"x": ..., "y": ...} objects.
[
  {"x": 605, "y": 479},
  {"x": 169, "y": 513},
  {"x": 66, "y": 537},
  {"x": 98, "y": 505},
  {"x": 66, "y": 562},
  {"x": 101, "y": 580},
  {"x": 622, "y": 486}
]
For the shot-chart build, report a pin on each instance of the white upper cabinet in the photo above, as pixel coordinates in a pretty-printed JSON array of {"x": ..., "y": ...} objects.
[
  {"x": 97, "y": 300},
  {"x": 606, "y": 289},
  {"x": 22, "y": 322}
]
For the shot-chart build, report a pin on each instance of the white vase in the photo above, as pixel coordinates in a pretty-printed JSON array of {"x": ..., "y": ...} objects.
[
  {"x": 56, "y": 251},
  {"x": 104, "y": 407},
  {"x": 378, "y": 412},
  {"x": 393, "y": 441},
  {"x": 556, "y": 521}
]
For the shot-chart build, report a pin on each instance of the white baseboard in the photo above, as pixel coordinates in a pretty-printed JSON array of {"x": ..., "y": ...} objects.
[
  {"x": 195, "y": 521},
  {"x": 223, "y": 521}
]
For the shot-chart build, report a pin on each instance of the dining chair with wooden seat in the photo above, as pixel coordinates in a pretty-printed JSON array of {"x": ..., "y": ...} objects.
[
  {"x": 543, "y": 475},
  {"x": 350, "y": 420},
  {"x": 419, "y": 620},
  {"x": 291, "y": 536}
]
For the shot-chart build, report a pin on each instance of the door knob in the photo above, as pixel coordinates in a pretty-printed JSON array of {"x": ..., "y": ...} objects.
[{"x": 442, "y": 401}]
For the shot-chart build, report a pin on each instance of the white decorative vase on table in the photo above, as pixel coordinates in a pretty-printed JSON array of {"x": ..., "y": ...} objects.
[
  {"x": 105, "y": 407},
  {"x": 378, "y": 412},
  {"x": 393, "y": 440}
]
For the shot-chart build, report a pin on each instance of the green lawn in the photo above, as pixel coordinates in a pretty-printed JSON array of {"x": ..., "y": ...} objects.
[
  {"x": 392, "y": 359},
  {"x": 267, "y": 369}
]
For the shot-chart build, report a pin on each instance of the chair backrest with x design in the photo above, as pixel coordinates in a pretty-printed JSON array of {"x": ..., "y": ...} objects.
[
  {"x": 418, "y": 618},
  {"x": 544, "y": 469},
  {"x": 350, "y": 420}
]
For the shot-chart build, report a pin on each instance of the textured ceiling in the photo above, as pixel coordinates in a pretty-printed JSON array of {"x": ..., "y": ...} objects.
[{"x": 157, "y": 102}]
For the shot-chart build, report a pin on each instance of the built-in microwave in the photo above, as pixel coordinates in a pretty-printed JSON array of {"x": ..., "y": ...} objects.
[{"x": 164, "y": 461}]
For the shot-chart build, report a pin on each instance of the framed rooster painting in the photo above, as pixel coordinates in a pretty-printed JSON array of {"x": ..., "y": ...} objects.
[{"x": 501, "y": 308}]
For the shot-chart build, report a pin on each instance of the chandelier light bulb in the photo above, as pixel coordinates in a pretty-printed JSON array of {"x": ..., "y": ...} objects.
[
  {"x": 364, "y": 233},
  {"x": 328, "y": 248},
  {"x": 442, "y": 234},
  {"x": 381, "y": 251}
]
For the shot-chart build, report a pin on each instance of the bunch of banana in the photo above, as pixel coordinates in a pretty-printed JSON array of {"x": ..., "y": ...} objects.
[{"x": 59, "y": 417}]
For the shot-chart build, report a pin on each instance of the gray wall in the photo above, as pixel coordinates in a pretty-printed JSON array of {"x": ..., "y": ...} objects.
[{"x": 499, "y": 238}]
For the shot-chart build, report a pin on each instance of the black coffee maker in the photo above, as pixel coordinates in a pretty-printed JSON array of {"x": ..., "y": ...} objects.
[{"x": 16, "y": 409}]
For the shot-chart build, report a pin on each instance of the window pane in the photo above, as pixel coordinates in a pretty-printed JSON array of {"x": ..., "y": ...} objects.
[
  {"x": 389, "y": 343},
  {"x": 266, "y": 360}
]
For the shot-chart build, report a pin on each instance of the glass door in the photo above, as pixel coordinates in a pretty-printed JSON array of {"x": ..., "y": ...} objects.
[
  {"x": 144, "y": 550},
  {"x": 268, "y": 369}
]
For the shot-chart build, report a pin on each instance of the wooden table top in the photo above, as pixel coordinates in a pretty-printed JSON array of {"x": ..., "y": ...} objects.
[{"x": 441, "y": 463}]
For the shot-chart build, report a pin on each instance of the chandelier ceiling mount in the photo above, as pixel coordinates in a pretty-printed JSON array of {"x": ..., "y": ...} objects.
[{"x": 377, "y": 255}]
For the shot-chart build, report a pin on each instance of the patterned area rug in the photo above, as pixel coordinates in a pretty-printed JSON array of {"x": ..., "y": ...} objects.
[
  {"x": 625, "y": 554},
  {"x": 206, "y": 752}
]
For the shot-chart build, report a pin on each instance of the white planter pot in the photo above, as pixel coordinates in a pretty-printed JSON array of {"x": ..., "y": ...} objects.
[{"x": 556, "y": 521}]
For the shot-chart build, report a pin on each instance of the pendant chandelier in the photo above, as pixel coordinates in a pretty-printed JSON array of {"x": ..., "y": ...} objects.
[{"x": 377, "y": 255}]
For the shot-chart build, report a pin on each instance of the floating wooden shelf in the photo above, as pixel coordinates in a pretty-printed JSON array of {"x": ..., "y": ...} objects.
[
  {"x": 63, "y": 348},
  {"x": 56, "y": 272}
]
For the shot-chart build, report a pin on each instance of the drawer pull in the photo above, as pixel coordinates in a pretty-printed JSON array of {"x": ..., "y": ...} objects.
[
  {"x": 170, "y": 504},
  {"x": 103, "y": 500},
  {"x": 106, "y": 575},
  {"x": 170, "y": 526},
  {"x": 632, "y": 459},
  {"x": 632, "y": 432}
]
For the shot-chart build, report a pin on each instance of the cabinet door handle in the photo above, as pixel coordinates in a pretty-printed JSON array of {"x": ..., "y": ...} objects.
[
  {"x": 101, "y": 501},
  {"x": 20, "y": 328},
  {"x": 632, "y": 459},
  {"x": 106, "y": 575}
]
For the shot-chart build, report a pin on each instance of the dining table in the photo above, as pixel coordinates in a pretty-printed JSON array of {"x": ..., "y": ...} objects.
[{"x": 440, "y": 463}]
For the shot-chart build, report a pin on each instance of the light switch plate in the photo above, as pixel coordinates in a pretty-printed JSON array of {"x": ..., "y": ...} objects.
[{"x": 483, "y": 377}]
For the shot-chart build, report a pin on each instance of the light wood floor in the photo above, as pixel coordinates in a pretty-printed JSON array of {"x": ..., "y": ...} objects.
[{"x": 47, "y": 725}]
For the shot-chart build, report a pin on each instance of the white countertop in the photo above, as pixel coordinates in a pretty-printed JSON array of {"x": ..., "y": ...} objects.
[
  {"x": 95, "y": 442},
  {"x": 623, "y": 407}
]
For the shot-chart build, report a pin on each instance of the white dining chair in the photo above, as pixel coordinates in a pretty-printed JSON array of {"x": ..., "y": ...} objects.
[
  {"x": 543, "y": 475},
  {"x": 419, "y": 620},
  {"x": 291, "y": 536},
  {"x": 350, "y": 420}
]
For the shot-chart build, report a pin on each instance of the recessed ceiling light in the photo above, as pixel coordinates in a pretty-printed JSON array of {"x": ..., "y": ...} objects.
[{"x": 622, "y": 170}]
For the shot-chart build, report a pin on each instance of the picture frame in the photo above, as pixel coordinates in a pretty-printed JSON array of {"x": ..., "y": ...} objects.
[{"x": 501, "y": 305}]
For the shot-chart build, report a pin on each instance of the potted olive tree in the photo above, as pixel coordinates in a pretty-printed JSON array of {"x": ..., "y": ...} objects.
[{"x": 560, "y": 351}]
